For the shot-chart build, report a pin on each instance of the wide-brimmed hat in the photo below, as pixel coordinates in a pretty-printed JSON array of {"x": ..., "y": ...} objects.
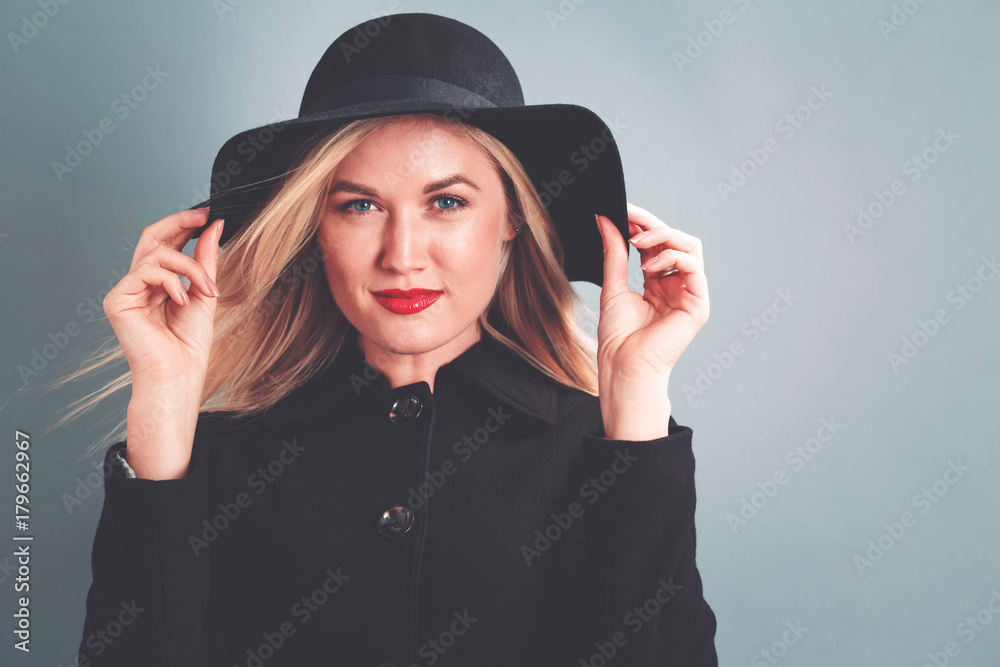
[{"x": 424, "y": 63}]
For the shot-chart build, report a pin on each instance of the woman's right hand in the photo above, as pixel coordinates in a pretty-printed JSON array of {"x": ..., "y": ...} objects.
[{"x": 166, "y": 332}]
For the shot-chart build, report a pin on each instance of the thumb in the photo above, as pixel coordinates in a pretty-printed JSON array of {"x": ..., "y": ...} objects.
[
  {"x": 615, "y": 260},
  {"x": 206, "y": 252}
]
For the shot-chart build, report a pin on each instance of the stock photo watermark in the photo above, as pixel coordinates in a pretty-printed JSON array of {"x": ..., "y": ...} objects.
[
  {"x": 638, "y": 618},
  {"x": 797, "y": 457},
  {"x": 915, "y": 167},
  {"x": 30, "y": 25},
  {"x": 779, "y": 648},
  {"x": 591, "y": 490},
  {"x": 581, "y": 158},
  {"x": 302, "y": 610},
  {"x": 86, "y": 487},
  {"x": 249, "y": 150},
  {"x": 434, "y": 648},
  {"x": 259, "y": 480},
  {"x": 464, "y": 449},
  {"x": 562, "y": 12},
  {"x": 363, "y": 35},
  {"x": 89, "y": 310},
  {"x": 927, "y": 330},
  {"x": 925, "y": 500},
  {"x": 752, "y": 329},
  {"x": 122, "y": 106},
  {"x": 787, "y": 126},
  {"x": 296, "y": 275},
  {"x": 699, "y": 42},
  {"x": 23, "y": 542},
  {"x": 968, "y": 630},
  {"x": 101, "y": 639},
  {"x": 900, "y": 16}
]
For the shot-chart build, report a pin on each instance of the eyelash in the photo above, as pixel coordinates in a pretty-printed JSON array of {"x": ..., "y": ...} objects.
[{"x": 346, "y": 207}]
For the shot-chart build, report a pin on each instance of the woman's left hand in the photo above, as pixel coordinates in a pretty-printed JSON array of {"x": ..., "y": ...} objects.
[{"x": 641, "y": 336}]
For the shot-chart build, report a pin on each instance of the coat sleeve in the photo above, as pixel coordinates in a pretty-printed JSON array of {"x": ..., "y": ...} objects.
[
  {"x": 148, "y": 597},
  {"x": 656, "y": 612}
]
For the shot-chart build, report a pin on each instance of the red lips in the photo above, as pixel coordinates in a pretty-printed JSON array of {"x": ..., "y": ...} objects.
[
  {"x": 408, "y": 294},
  {"x": 406, "y": 302}
]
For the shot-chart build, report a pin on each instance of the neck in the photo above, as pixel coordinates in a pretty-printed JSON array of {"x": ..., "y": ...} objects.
[{"x": 404, "y": 367}]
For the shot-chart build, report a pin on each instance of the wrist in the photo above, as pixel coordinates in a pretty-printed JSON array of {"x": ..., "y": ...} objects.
[
  {"x": 160, "y": 428},
  {"x": 635, "y": 412}
]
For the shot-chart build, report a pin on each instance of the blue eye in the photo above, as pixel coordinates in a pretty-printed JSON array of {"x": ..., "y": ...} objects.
[
  {"x": 450, "y": 203},
  {"x": 361, "y": 205}
]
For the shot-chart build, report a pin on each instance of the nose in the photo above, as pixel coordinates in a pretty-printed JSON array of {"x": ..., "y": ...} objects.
[{"x": 404, "y": 243}]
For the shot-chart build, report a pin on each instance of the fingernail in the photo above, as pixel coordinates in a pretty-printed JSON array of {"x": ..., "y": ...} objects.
[
  {"x": 201, "y": 210},
  {"x": 638, "y": 237},
  {"x": 184, "y": 298},
  {"x": 222, "y": 223},
  {"x": 213, "y": 288}
]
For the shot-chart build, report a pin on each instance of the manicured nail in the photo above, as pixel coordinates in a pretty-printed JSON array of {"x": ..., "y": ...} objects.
[
  {"x": 638, "y": 237},
  {"x": 213, "y": 289},
  {"x": 201, "y": 210}
]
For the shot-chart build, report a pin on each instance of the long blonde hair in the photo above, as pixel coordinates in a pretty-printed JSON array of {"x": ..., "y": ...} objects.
[{"x": 270, "y": 340}]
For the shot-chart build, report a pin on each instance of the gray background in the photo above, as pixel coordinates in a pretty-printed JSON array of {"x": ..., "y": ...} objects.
[{"x": 683, "y": 130}]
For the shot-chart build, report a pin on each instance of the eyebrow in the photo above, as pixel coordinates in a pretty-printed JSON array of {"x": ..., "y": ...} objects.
[
  {"x": 447, "y": 183},
  {"x": 348, "y": 186}
]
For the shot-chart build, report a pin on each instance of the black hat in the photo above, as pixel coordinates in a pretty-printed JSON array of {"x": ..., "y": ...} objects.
[{"x": 420, "y": 63}]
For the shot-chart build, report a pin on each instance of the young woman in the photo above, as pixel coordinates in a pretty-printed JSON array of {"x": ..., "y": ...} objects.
[{"x": 371, "y": 430}]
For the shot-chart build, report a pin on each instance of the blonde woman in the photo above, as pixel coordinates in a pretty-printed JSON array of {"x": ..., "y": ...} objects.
[{"x": 370, "y": 429}]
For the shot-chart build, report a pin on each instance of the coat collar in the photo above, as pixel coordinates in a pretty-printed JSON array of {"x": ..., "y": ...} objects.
[{"x": 490, "y": 364}]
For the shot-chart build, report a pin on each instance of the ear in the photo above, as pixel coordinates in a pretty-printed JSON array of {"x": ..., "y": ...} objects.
[{"x": 510, "y": 229}]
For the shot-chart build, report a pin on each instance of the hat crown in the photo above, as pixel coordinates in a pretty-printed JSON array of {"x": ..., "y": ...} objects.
[{"x": 393, "y": 54}]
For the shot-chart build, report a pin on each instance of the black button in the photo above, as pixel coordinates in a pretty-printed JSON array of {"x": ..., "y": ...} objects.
[
  {"x": 395, "y": 521},
  {"x": 405, "y": 409}
]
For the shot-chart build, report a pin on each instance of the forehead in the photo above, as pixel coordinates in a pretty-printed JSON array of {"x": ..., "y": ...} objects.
[
  {"x": 419, "y": 141},
  {"x": 416, "y": 148}
]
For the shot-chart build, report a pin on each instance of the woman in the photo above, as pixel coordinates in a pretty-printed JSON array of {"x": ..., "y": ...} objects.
[{"x": 382, "y": 438}]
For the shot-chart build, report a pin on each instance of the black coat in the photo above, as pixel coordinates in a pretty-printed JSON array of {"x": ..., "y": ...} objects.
[{"x": 520, "y": 535}]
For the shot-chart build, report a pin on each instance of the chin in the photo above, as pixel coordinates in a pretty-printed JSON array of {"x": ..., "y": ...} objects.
[{"x": 402, "y": 341}]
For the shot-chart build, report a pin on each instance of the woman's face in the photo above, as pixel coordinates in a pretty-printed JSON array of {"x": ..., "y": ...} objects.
[{"x": 414, "y": 207}]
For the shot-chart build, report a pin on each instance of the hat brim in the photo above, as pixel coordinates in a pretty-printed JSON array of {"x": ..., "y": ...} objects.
[{"x": 569, "y": 153}]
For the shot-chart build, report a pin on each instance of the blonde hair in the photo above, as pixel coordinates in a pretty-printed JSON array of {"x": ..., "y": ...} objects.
[{"x": 269, "y": 342}]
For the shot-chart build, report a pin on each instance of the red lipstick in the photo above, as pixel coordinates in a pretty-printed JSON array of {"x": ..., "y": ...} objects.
[{"x": 406, "y": 302}]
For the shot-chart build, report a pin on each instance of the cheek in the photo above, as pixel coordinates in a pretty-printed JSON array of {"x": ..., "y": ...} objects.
[
  {"x": 339, "y": 251},
  {"x": 473, "y": 258},
  {"x": 337, "y": 257}
]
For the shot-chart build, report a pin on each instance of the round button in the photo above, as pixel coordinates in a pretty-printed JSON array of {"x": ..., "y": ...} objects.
[
  {"x": 395, "y": 521},
  {"x": 405, "y": 409}
]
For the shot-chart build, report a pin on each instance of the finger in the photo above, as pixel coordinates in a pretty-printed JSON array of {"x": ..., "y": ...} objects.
[
  {"x": 674, "y": 238},
  {"x": 644, "y": 222},
  {"x": 633, "y": 231},
  {"x": 690, "y": 269},
  {"x": 174, "y": 231},
  {"x": 643, "y": 218},
  {"x": 206, "y": 254},
  {"x": 615, "y": 260},
  {"x": 178, "y": 262},
  {"x": 142, "y": 279}
]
